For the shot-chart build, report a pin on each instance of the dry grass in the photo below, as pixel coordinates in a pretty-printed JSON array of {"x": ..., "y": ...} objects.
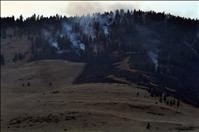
[{"x": 99, "y": 107}]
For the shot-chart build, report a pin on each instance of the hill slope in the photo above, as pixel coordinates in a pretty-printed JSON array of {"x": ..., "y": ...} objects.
[
  {"x": 95, "y": 107},
  {"x": 116, "y": 71},
  {"x": 162, "y": 48}
]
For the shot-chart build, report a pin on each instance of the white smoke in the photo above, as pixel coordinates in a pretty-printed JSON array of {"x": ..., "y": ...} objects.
[
  {"x": 52, "y": 40},
  {"x": 106, "y": 32},
  {"x": 104, "y": 25},
  {"x": 82, "y": 46},
  {"x": 87, "y": 25},
  {"x": 67, "y": 31},
  {"x": 87, "y": 7},
  {"x": 72, "y": 36},
  {"x": 154, "y": 58},
  {"x": 54, "y": 43}
]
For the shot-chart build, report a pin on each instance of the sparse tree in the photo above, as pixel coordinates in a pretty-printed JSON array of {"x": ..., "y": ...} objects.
[
  {"x": 170, "y": 103},
  {"x": 148, "y": 126},
  {"x": 164, "y": 98},
  {"x": 160, "y": 99},
  {"x": 174, "y": 102},
  {"x": 167, "y": 102},
  {"x": 28, "y": 84},
  {"x": 178, "y": 103}
]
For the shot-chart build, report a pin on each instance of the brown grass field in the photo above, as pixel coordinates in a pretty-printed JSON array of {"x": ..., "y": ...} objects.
[{"x": 53, "y": 104}]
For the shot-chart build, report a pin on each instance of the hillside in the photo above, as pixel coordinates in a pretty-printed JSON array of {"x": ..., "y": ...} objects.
[
  {"x": 95, "y": 107},
  {"x": 162, "y": 46},
  {"x": 52, "y": 102},
  {"x": 116, "y": 71},
  {"x": 41, "y": 75}
]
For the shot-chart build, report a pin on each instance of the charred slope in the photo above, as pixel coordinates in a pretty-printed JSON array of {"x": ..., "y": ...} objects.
[{"x": 153, "y": 49}]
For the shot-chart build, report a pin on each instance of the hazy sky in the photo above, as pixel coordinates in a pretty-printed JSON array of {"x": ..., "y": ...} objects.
[{"x": 71, "y": 8}]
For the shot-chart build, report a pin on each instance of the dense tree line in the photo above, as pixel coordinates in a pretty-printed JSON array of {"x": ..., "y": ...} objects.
[{"x": 137, "y": 15}]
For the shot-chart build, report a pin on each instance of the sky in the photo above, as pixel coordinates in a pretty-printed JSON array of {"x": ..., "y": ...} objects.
[{"x": 188, "y": 9}]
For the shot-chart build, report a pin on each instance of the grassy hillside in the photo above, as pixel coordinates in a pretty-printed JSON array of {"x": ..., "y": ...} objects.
[
  {"x": 41, "y": 75},
  {"x": 130, "y": 71},
  {"x": 95, "y": 108}
]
